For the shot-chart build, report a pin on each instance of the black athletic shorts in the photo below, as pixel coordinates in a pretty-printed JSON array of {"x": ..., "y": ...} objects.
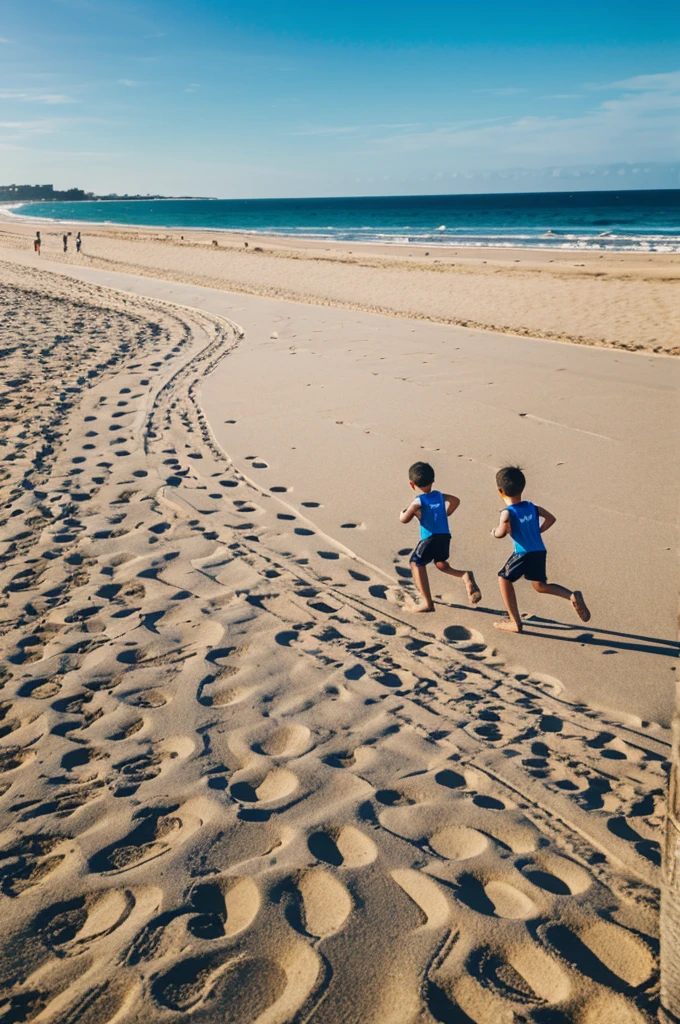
[
  {"x": 531, "y": 565},
  {"x": 432, "y": 549}
]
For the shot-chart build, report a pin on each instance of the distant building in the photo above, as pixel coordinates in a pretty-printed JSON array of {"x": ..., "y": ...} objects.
[{"x": 34, "y": 193}]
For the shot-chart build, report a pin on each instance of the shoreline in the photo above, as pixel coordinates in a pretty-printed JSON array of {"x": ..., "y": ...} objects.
[
  {"x": 615, "y": 300},
  {"x": 273, "y": 237},
  {"x": 285, "y": 244}
]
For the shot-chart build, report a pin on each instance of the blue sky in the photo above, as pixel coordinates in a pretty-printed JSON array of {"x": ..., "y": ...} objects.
[{"x": 291, "y": 99}]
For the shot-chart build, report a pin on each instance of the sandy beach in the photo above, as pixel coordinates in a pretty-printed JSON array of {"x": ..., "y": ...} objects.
[
  {"x": 621, "y": 300},
  {"x": 239, "y": 781}
]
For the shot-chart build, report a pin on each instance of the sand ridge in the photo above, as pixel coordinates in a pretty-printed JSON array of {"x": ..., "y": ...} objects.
[{"x": 236, "y": 786}]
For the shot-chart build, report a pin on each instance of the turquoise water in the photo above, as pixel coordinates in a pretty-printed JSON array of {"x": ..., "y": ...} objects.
[{"x": 641, "y": 221}]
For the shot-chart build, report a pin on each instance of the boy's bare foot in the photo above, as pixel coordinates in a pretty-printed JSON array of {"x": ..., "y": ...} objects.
[
  {"x": 508, "y": 626},
  {"x": 580, "y": 607},
  {"x": 473, "y": 591},
  {"x": 422, "y": 607}
]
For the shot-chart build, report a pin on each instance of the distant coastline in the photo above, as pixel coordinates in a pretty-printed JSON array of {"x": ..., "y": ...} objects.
[{"x": 48, "y": 194}]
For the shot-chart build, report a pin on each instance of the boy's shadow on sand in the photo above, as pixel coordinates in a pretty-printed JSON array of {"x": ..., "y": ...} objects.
[{"x": 587, "y": 636}]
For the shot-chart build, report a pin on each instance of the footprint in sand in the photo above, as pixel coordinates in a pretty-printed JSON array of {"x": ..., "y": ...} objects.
[
  {"x": 523, "y": 974},
  {"x": 469, "y": 640},
  {"x": 79, "y": 757},
  {"x": 224, "y": 907},
  {"x": 494, "y": 898},
  {"x": 151, "y": 698},
  {"x": 128, "y": 775},
  {"x": 191, "y": 981},
  {"x": 71, "y": 926},
  {"x": 556, "y": 875},
  {"x": 489, "y": 803},
  {"x": 609, "y": 954},
  {"x": 126, "y": 731},
  {"x": 348, "y": 847},
  {"x": 40, "y": 689},
  {"x": 624, "y": 953},
  {"x": 29, "y": 862},
  {"x": 428, "y": 896},
  {"x": 9, "y": 723},
  {"x": 324, "y": 903},
  {"x": 238, "y": 989},
  {"x": 647, "y": 848},
  {"x": 14, "y": 757},
  {"x": 289, "y": 740},
  {"x": 221, "y": 696},
  {"x": 458, "y": 842},
  {"x": 156, "y": 831},
  {"x": 277, "y": 785},
  {"x": 509, "y": 902}
]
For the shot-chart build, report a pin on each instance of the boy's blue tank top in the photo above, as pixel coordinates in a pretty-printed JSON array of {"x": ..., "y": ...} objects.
[
  {"x": 525, "y": 527},
  {"x": 433, "y": 518}
]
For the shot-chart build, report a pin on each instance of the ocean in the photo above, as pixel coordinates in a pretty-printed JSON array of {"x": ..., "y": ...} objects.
[{"x": 641, "y": 221}]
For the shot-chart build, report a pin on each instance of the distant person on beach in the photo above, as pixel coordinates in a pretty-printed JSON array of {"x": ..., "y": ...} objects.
[
  {"x": 64, "y": 239},
  {"x": 522, "y": 520},
  {"x": 79, "y": 242},
  {"x": 432, "y": 509},
  {"x": 36, "y": 243}
]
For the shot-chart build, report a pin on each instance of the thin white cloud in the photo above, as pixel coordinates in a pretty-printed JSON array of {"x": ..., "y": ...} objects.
[
  {"x": 666, "y": 81},
  {"x": 638, "y": 124},
  {"x": 129, "y": 83},
  {"x": 192, "y": 87},
  {"x": 505, "y": 91},
  {"x": 322, "y": 130},
  {"x": 406, "y": 124},
  {"x": 50, "y": 98},
  {"x": 32, "y": 127},
  {"x": 3, "y": 40}
]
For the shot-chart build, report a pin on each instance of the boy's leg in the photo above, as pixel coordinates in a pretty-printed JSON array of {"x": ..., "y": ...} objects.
[
  {"x": 473, "y": 591},
  {"x": 423, "y": 584},
  {"x": 514, "y": 625},
  {"x": 575, "y": 596}
]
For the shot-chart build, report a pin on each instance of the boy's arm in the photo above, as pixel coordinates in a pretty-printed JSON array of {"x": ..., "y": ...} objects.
[
  {"x": 451, "y": 502},
  {"x": 547, "y": 517},
  {"x": 503, "y": 525},
  {"x": 407, "y": 514}
]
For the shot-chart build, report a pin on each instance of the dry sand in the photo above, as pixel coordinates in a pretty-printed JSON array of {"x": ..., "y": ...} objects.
[
  {"x": 623, "y": 300},
  {"x": 240, "y": 783}
]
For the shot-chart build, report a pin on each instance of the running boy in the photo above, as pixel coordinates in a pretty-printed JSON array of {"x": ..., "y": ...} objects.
[
  {"x": 433, "y": 508},
  {"x": 521, "y": 519}
]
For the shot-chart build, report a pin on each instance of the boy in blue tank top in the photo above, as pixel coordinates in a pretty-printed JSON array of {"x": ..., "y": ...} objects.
[
  {"x": 433, "y": 509},
  {"x": 522, "y": 520}
]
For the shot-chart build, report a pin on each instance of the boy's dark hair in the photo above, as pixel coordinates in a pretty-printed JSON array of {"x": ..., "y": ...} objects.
[
  {"x": 421, "y": 474},
  {"x": 510, "y": 480}
]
